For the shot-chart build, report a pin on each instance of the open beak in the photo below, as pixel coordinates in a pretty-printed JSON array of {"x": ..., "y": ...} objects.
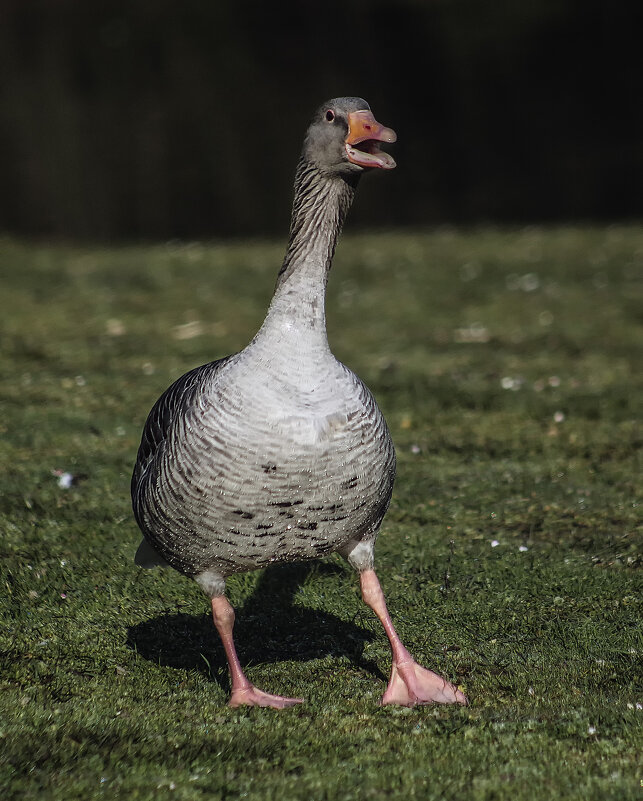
[{"x": 362, "y": 143}]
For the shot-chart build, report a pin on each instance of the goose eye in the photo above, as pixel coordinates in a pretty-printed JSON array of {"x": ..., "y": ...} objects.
[{"x": 330, "y": 115}]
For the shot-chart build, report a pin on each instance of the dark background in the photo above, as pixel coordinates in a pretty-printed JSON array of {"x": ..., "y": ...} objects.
[{"x": 145, "y": 119}]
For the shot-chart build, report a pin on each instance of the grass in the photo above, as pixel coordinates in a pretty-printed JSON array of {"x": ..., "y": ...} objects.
[{"x": 508, "y": 364}]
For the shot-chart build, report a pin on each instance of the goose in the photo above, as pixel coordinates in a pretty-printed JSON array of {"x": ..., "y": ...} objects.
[{"x": 279, "y": 453}]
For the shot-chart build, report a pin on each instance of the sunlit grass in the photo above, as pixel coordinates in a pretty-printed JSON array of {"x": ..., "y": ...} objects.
[{"x": 508, "y": 364}]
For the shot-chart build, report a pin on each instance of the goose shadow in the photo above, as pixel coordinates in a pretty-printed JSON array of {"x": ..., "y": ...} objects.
[{"x": 269, "y": 628}]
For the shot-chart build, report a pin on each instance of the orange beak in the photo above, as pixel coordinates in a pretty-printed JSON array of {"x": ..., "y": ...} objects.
[{"x": 364, "y": 134}]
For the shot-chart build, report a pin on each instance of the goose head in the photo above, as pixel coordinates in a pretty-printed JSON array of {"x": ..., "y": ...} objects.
[{"x": 344, "y": 139}]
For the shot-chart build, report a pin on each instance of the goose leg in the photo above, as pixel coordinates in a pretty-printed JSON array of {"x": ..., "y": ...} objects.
[
  {"x": 243, "y": 691},
  {"x": 410, "y": 683}
]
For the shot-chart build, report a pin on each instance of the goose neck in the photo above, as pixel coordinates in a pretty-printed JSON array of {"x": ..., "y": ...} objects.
[{"x": 320, "y": 205}]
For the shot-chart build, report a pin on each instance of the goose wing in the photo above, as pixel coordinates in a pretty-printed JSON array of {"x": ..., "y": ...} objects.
[{"x": 172, "y": 403}]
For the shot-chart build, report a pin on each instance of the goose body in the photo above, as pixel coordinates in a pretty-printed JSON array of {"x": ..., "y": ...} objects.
[
  {"x": 279, "y": 453},
  {"x": 262, "y": 466}
]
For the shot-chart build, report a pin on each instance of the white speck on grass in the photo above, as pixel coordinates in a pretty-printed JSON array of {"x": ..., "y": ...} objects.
[
  {"x": 65, "y": 480},
  {"x": 529, "y": 282},
  {"x": 559, "y": 417},
  {"x": 194, "y": 328},
  {"x": 476, "y": 332},
  {"x": 591, "y": 730},
  {"x": 512, "y": 382},
  {"x": 115, "y": 328},
  {"x": 494, "y": 543},
  {"x": 553, "y": 381},
  {"x": 523, "y": 548},
  {"x": 416, "y": 449}
]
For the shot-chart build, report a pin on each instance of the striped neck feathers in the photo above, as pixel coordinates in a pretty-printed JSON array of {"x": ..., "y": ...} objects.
[{"x": 321, "y": 203}]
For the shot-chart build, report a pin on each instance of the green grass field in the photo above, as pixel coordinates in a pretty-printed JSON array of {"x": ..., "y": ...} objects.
[{"x": 509, "y": 366}]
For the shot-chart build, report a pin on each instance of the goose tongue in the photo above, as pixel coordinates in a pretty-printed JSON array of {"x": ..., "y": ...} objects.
[{"x": 362, "y": 143}]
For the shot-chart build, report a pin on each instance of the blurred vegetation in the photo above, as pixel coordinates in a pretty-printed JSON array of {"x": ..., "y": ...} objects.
[
  {"x": 157, "y": 119},
  {"x": 507, "y": 363}
]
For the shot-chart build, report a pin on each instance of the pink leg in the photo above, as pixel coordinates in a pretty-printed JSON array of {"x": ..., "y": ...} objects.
[
  {"x": 410, "y": 683},
  {"x": 243, "y": 692}
]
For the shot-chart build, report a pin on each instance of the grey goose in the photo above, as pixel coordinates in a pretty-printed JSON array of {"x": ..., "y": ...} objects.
[{"x": 279, "y": 453}]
